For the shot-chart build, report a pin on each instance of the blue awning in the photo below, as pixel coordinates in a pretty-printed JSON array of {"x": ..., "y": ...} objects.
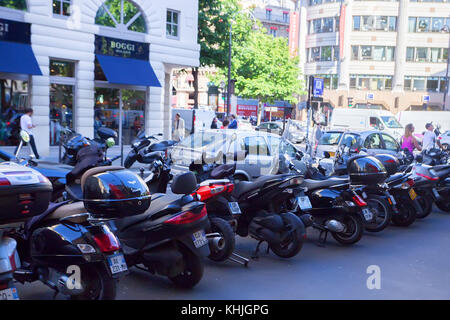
[
  {"x": 128, "y": 71},
  {"x": 18, "y": 58}
]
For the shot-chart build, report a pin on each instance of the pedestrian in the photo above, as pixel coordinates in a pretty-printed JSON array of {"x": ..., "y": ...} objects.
[
  {"x": 214, "y": 123},
  {"x": 26, "y": 124},
  {"x": 225, "y": 124},
  {"x": 319, "y": 134},
  {"x": 233, "y": 124},
  {"x": 429, "y": 138},
  {"x": 408, "y": 140},
  {"x": 178, "y": 128}
]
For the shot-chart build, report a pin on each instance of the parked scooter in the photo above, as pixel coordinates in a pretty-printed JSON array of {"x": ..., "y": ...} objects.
[
  {"x": 169, "y": 239},
  {"x": 253, "y": 209},
  {"x": 145, "y": 145},
  {"x": 69, "y": 247},
  {"x": 9, "y": 261}
]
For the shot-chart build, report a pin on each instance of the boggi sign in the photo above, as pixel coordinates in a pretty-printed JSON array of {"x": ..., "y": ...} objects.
[
  {"x": 15, "y": 31},
  {"x": 121, "y": 48}
]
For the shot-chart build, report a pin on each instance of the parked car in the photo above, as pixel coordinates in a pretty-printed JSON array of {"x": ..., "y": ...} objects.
[
  {"x": 262, "y": 150},
  {"x": 373, "y": 141},
  {"x": 272, "y": 127},
  {"x": 295, "y": 132}
]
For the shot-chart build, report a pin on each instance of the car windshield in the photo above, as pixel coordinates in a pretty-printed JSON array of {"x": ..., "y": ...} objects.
[
  {"x": 330, "y": 138},
  {"x": 391, "y": 122},
  {"x": 202, "y": 139}
]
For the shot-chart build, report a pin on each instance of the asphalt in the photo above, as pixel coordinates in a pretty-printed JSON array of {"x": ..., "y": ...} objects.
[{"x": 414, "y": 264}]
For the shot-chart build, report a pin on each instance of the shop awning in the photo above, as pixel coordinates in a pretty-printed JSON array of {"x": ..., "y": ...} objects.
[
  {"x": 18, "y": 58},
  {"x": 128, "y": 71}
]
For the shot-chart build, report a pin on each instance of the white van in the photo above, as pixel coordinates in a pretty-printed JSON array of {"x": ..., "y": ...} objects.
[
  {"x": 369, "y": 119},
  {"x": 421, "y": 118},
  {"x": 195, "y": 119}
]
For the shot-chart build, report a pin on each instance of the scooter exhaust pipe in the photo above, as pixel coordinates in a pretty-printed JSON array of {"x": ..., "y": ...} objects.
[
  {"x": 335, "y": 226},
  {"x": 216, "y": 241}
]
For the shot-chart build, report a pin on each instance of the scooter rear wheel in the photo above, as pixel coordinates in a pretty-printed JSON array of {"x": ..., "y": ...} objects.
[
  {"x": 97, "y": 283},
  {"x": 222, "y": 227},
  {"x": 426, "y": 203},
  {"x": 444, "y": 206},
  {"x": 193, "y": 270},
  {"x": 354, "y": 229},
  {"x": 383, "y": 213},
  {"x": 406, "y": 216},
  {"x": 290, "y": 247}
]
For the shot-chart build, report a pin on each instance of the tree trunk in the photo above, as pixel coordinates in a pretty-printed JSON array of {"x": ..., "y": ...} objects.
[
  {"x": 259, "y": 112},
  {"x": 195, "y": 74}
]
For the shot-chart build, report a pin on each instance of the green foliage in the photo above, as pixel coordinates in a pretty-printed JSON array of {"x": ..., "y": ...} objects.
[
  {"x": 264, "y": 70},
  {"x": 14, "y": 4}
]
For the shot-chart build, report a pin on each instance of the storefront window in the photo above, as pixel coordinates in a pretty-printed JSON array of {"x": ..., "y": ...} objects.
[
  {"x": 62, "y": 68},
  {"x": 14, "y": 4},
  {"x": 107, "y": 106},
  {"x": 120, "y": 14},
  {"x": 61, "y": 110},
  {"x": 13, "y": 102}
]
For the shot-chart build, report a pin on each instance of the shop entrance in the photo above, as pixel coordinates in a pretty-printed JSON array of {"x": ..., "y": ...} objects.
[{"x": 121, "y": 109}]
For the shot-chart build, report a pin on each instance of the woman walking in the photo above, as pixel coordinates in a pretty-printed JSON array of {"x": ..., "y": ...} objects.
[{"x": 408, "y": 140}]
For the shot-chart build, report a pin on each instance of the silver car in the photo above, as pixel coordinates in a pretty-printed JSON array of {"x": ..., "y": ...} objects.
[{"x": 262, "y": 151}]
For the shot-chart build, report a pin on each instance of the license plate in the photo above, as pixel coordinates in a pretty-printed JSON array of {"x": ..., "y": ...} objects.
[
  {"x": 9, "y": 294},
  {"x": 234, "y": 208},
  {"x": 304, "y": 203},
  {"x": 367, "y": 214},
  {"x": 412, "y": 194},
  {"x": 332, "y": 154},
  {"x": 117, "y": 263},
  {"x": 199, "y": 238}
]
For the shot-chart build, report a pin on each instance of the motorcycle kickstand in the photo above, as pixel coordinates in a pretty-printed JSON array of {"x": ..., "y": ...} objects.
[
  {"x": 322, "y": 238},
  {"x": 255, "y": 255},
  {"x": 239, "y": 259}
]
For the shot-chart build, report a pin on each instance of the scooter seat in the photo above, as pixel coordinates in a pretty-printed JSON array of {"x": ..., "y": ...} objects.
[
  {"x": 161, "y": 204},
  {"x": 246, "y": 186},
  {"x": 66, "y": 211},
  {"x": 395, "y": 177},
  {"x": 441, "y": 167},
  {"x": 223, "y": 171},
  {"x": 330, "y": 182}
]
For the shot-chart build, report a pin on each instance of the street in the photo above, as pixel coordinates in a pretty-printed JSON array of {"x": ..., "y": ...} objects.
[{"x": 414, "y": 264}]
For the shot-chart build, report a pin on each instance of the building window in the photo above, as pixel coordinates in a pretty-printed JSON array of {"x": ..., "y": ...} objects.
[
  {"x": 286, "y": 16},
  {"x": 61, "y": 7},
  {"x": 430, "y": 84},
  {"x": 172, "y": 24},
  {"x": 427, "y": 24},
  {"x": 436, "y": 55},
  {"x": 324, "y": 25},
  {"x": 268, "y": 14},
  {"x": 121, "y": 14},
  {"x": 375, "y": 53},
  {"x": 14, "y": 4},
  {"x": 330, "y": 81},
  {"x": 273, "y": 31},
  {"x": 374, "y": 23},
  {"x": 370, "y": 82},
  {"x": 326, "y": 53}
]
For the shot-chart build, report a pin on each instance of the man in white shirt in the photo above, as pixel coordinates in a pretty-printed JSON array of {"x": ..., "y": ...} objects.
[
  {"x": 26, "y": 124},
  {"x": 429, "y": 138}
]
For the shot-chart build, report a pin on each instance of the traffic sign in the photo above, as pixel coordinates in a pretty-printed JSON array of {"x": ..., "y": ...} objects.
[
  {"x": 318, "y": 87},
  {"x": 370, "y": 96},
  {"x": 426, "y": 98}
]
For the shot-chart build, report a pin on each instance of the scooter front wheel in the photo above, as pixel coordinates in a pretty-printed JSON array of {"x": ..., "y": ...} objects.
[
  {"x": 406, "y": 216},
  {"x": 426, "y": 202},
  {"x": 193, "y": 270},
  {"x": 97, "y": 284},
  {"x": 354, "y": 227}
]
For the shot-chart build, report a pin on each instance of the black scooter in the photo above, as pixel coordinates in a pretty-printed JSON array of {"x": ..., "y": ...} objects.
[
  {"x": 169, "y": 238},
  {"x": 143, "y": 146},
  {"x": 253, "y": 209}
]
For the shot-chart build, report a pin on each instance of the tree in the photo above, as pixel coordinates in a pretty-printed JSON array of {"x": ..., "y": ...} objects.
[
  {"x": 15, "y": 4},
  {"x": 263, "y": 69}
]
